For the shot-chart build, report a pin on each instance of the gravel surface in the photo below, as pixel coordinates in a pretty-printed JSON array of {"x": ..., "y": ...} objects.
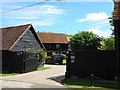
[{"x": 48, "y": 78}]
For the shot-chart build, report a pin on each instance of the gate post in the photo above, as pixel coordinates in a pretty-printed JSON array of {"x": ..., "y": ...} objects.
[
  {"x": 68, "y": 70},
  {"x": 23, "y": 55}
]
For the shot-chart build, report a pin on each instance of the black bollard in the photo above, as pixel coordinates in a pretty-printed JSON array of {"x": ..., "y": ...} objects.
[{"x": 92, "y": 76}]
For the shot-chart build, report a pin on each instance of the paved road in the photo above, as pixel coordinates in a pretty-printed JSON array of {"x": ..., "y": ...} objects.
[{"x": 49, "y": 78}]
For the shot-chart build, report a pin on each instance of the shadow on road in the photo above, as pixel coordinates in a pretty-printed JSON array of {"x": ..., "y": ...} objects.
[{"x": 57, "y": 78}]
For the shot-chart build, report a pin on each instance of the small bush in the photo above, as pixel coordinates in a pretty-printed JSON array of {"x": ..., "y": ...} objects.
[
  {"x": 64, "y": 56},
  {"x": 42, "y": 54},
  {"x": 47, "y": 57}
]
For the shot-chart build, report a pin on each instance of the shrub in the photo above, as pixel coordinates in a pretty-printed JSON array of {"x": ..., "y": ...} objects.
[
  {"x": 42, "y": 54},
  {"x": 64, "y": 56}
]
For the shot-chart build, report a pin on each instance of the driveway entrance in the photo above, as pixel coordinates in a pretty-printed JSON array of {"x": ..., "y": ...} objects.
[{"x": 49, "y": 78}]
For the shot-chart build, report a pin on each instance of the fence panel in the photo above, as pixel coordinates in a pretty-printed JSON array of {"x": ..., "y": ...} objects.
[
  {"x": 84, "y": 63},
  {"x": 11, "y": 61},
  {"x": 6, "y": 61},
  {"x": 30, "y": 62},
  {"x": 19, "y": 62}
]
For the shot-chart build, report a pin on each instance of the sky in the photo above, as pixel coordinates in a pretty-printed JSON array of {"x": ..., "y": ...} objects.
[{"x": 59, "y": 17}]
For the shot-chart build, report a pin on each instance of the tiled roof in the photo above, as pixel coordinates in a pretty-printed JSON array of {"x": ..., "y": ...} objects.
[
  {"x": 47, "y": 37},
  {"x": 10, "y": 35}
]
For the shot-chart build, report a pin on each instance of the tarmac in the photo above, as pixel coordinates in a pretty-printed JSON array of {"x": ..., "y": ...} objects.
[{"x": 46, "y": 79}]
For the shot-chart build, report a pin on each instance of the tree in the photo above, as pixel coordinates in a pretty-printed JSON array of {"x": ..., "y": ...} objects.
[
  {"x": 112, "y": 25},
  {"x": 85, "y": 41},
  {"x": 108, "y": 43}
]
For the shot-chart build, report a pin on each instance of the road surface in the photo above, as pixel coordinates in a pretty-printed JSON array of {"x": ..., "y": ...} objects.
[{"x": 49, "y": 78}]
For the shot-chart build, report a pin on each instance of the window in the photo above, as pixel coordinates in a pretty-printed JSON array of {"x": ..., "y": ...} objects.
[
  {"x": 57, "y": 46},
  {"x": 49, "y": 46}
]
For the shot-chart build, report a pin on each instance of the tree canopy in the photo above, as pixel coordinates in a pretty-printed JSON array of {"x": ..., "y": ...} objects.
[
  {"x": 108, "y": 43},
  {"x": 85, "y": 41}
]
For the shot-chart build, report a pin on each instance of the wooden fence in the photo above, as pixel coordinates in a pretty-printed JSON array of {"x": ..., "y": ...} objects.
[
  {"x": 19, "y": 62},
  {"x": 102, "y": 64}
]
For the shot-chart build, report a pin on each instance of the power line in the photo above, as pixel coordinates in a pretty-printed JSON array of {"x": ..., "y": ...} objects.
[{"x": 23, "y": 7}]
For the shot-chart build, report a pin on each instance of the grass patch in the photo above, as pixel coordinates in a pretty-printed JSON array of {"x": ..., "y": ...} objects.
[
  {"x": 64, "y": 62},
  {"x": 12, "y": 74},
  {"x": 42, "y": 68},
  {"x": 85, "y": 84},
  {"x": 8, "y": 74}
]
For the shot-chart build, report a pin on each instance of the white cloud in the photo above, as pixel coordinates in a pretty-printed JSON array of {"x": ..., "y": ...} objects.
[
  {"x": 44, "y": 15},
  {"x": 104, "y": 22},
  {"x": 43, "y": 23},
  {"x": 100, "y": 33},
  {"x": 98, "y": 23},
  {"x": 51, "y": 10},
  {"x": 34, "y": 10},
  {"x": 94, "y": 17}
]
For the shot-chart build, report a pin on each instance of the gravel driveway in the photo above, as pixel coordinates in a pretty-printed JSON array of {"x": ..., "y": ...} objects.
[{"x": 49, "y": 78}]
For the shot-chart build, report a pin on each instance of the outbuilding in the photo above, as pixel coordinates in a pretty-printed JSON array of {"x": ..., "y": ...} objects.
[
  {"x": 54, "y": 43},
  {"x": 20, "y": 46}
]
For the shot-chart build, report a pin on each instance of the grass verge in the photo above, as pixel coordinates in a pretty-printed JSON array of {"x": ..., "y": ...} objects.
[
  {"x": 8, "y": 74},
  {"x": 42, "y": 68},
  {"x": 12, "y": 74},
  {"x": 85, "y": 84}
]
